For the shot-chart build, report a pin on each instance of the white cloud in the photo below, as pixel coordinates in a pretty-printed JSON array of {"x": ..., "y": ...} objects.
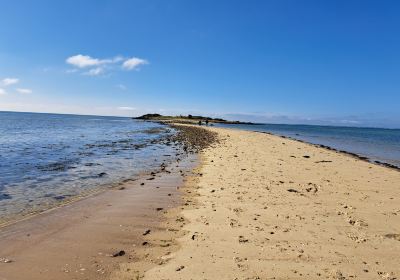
[
  {"x": 126, "y": 108},
  {"x": 24, "y": 90},
  {"x": 83, "y": 61},
  {"x": 9, "y": 81},
  {"x": 99, "y": 66},
  {"x": 133, "y": 63},
  {"x": 2, "y": 92},
  {"x": 95, "y": 71}
]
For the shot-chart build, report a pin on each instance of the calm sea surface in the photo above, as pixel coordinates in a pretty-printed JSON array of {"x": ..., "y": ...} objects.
[
  {"x": 47, "y": 158},
  {"x": 375, "y": 143}
]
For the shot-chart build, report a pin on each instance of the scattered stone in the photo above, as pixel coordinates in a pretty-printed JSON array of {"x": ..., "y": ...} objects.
[
  {"x": 119, "y": 254},
  {"x": 394, "y": 236},
  {"x": 180, "y": 268},
  {"x": 242, "y": 239},
  {"x": 5, "y": 260}
]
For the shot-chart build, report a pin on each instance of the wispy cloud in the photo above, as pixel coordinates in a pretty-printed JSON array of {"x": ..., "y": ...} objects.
[
  {"x": 9, "y": 81},
  {"x": 95, "y": 71},
  {"x": 126, "y": 108},
  {"x": 24, "y": 90},
  {"x": 133, "y": 63},
  {"x": 121, "y": 87},
  {"x": 97, "y": 66}
]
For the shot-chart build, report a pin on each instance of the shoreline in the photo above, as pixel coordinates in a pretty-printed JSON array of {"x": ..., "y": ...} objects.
[
  {"x": 187, "y": 145},
  {"x": 13, "y": 219},
  {"x": 91, "y": 237},
  {"x": 329, "y": 148},
  {"x": 355, "y": 155}
]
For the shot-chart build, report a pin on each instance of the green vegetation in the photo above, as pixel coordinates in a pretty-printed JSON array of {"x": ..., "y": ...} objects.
[{"x": 186, "y": 119}]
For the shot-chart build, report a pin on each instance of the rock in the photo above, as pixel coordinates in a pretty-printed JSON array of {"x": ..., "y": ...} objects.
[
  {"x": 180, "y": 268},
  {"x": 5, "y": 260},
  {"x": 242, "y": 239},
  {"x": 395, "y": 236},
  {"x": 119, "y": 254}
]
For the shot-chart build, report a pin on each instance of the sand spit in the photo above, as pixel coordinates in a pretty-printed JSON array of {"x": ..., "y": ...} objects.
[
  {"x": 266, "y": 207},
  {"x": 258, "y": 206}
]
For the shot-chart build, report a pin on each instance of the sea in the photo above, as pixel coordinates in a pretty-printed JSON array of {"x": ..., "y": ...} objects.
[
  {"x": 376, "y": 144},
  {"x": 46, "y": 159}
]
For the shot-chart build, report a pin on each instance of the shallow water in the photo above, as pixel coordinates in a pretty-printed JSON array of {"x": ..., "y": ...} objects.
[
  {"x": 48, "y": 158},
  {"x": 377, "y": 144}
]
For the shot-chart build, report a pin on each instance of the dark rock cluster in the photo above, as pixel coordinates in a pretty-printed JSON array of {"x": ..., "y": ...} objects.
[{"x": 193, "y": 139}]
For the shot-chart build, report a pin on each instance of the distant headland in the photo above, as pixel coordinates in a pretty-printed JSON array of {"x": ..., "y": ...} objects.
[{"x": 186, "y": 119}]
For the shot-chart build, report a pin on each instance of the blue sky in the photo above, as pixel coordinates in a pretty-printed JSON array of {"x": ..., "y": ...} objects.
[{"x": 283, "y": 61}]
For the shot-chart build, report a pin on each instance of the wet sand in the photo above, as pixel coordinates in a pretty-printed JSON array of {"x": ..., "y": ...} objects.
[
  {"x": 78, "y": 240},
  {"x": 266, "y": 207}
]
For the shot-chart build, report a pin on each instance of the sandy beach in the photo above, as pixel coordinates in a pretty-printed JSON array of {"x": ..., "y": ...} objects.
[
  {"x": 272, "y": 208},
  {"x": 256, "y": 206}
]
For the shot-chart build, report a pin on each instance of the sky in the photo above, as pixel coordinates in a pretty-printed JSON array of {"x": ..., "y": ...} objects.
[{"x": 282, "y": 61}]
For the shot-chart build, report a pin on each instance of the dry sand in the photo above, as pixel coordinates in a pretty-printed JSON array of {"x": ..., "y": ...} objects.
[{"x": 266, "y": 207}]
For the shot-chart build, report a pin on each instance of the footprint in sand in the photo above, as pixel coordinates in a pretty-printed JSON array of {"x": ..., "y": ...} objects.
[
  {"x": 240, "y": 262},
  {"x": 358, "y": 238},
  {"x": 357, "y": 222},
  {"x": 394, "y": 236}
]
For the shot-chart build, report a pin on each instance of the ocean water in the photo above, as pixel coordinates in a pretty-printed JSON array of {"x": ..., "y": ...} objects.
[
  {"x": 48, "y": 158},
  {"x": 377, "y": 144}
]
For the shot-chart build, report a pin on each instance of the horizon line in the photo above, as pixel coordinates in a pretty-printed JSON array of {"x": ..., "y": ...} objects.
[{"x": 254, "y": 123}]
